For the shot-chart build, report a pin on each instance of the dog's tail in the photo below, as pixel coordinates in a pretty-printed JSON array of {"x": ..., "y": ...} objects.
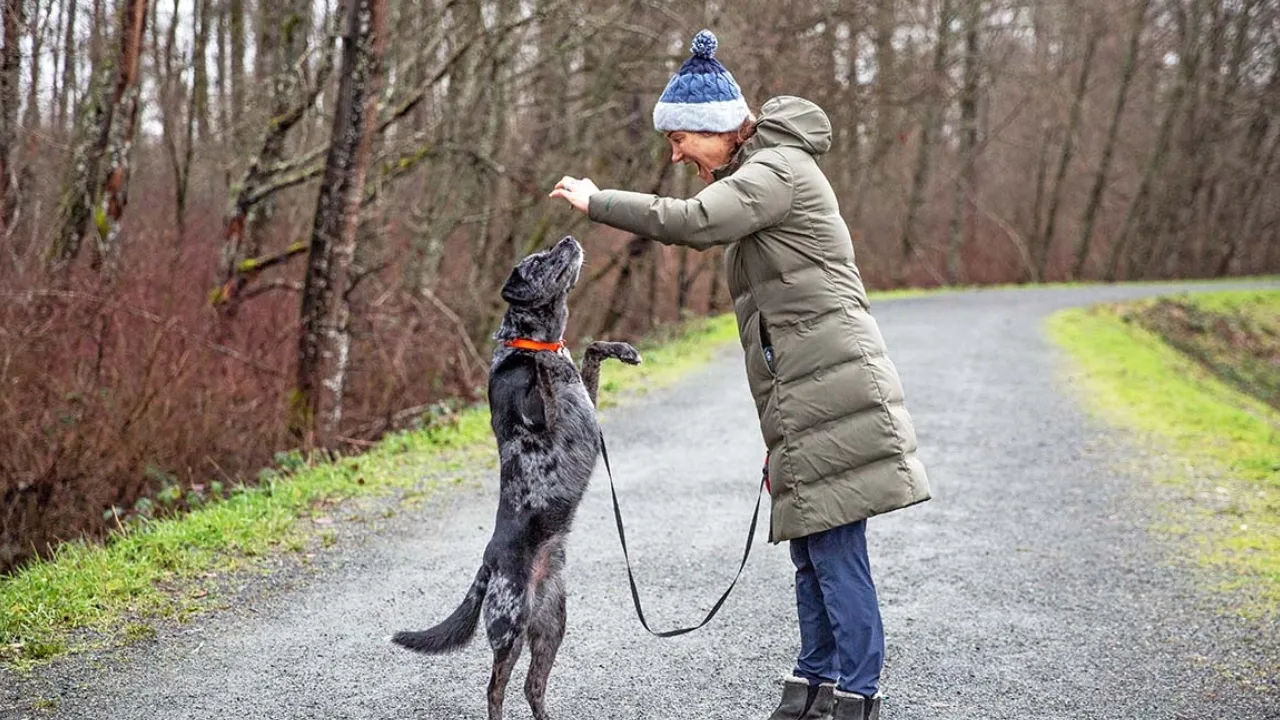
[{"x": 456, "y": 630}]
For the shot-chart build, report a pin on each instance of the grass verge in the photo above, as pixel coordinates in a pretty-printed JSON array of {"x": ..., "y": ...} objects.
[
  {"x": 89, "y": 595},
  {"x": 1222, "y": 445}
]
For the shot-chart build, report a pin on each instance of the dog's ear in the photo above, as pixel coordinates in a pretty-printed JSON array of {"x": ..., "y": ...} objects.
[{"x": 516, "y": 290}]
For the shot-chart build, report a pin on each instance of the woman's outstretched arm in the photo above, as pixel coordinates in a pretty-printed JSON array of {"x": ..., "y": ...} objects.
[{"x": 757, "y": 196}]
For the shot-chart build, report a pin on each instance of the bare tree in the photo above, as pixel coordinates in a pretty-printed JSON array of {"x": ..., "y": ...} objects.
[
  {"x": 120, "y": 135},
  {"x": 1084, "y": 243},
  {"x": 1254, "y": 166},
  {"x": 251, "y": 195},
  {"x": 1043, "y": 246},
  {"x": 66, "y": 94},
  {"x": 885, "y": 25},
  {"x": 928, "y": 129},
  {"x": 79, "y": 194},
  {"x": 1140, "y": 219},
  {"x": 236, "y": 47},
  {"x": 324, "y": 339},
  {"x": 966, "y": 179},
  {"x": 175, "y": 120},
  {"x": 10, "y": 67}
]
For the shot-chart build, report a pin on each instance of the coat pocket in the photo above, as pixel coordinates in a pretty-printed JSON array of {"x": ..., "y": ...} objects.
[
  {"x": 765, "y": 346},
  {"x": 759, "y": 376}
]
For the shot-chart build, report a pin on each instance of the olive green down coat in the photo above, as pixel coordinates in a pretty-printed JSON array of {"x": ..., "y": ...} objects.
[{"x": 841, "y": 443}]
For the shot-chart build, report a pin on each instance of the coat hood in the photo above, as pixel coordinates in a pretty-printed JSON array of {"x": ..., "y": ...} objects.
[{"x": 788, "y": 121}]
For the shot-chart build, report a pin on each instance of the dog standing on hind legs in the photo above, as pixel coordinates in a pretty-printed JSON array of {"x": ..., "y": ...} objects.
[{"x": 543, "y": 416}]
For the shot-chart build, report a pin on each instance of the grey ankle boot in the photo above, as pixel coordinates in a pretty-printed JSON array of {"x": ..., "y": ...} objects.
[
  {"x": 802, "y": 701},
  {"x": 852, "y": 706}
]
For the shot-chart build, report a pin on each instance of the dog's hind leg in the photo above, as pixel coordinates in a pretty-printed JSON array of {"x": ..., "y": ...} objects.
[
  {"x": 545, "y": 634},
  {"x": 546, "y": 628},
  {"x": 504, "y": 659},
  {"x": 506, "y": 614}
]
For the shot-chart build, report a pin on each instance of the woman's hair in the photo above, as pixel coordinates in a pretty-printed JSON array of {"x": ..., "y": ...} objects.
[
  {"x": 747, "y": 129},
  {"x": 744, "y": 132}
]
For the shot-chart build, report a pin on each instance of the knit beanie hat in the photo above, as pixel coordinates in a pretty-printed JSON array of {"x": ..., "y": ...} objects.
[{"x": 702, "y": 96}]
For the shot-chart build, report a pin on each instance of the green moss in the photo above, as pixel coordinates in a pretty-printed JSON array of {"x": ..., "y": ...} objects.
[
  {"x": 1223, "y": 445},
  {"x": 100, "y": 221}
]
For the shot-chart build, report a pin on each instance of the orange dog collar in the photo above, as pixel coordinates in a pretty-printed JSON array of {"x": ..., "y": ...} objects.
[{"x": 523, "y": 344}]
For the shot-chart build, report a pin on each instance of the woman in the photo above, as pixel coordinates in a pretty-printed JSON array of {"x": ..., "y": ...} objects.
[{"x": 841, "y": 444}]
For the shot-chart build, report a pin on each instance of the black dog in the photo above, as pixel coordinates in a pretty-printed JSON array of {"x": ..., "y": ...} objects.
[{"x": 543, "y": 416}]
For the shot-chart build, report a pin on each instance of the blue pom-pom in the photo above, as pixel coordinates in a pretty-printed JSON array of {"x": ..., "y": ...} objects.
[{"x": 704, "y": 44}]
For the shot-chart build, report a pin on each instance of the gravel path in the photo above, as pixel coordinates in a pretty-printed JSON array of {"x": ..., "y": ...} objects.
[{"x": 1026, "y": 589}]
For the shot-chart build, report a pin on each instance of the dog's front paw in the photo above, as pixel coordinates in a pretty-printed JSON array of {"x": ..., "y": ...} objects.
[
  {"x": 617, "y": 350},
  {"x": 628, "y": 354}
]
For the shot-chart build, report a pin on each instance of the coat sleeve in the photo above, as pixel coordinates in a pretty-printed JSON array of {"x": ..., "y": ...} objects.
[{"x": 757, "y": 196}]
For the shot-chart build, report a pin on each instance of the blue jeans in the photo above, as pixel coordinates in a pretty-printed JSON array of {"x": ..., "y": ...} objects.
[{"x": 841, "y": 635}]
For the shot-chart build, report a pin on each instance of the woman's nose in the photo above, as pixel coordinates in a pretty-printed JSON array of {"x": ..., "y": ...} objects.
[{"x": 676, "y": 156}]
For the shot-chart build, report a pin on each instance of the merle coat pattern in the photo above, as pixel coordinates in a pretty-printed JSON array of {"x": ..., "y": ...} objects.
[{"x": 543, "y": 416}]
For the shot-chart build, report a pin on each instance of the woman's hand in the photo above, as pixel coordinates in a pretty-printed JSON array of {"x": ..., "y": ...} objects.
[{"x": 577, "y": 192}]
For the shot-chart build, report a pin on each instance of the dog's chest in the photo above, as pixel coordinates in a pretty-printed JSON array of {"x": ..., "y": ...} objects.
[{"x": 542, "y": 466}]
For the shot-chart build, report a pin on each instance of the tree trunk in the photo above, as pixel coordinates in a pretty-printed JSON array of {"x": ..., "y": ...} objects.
[
  {"x": 93, "y": 119},
  {"x": 285, "y": 41},
  {"x": 682, "y": 282},
  {"x": 1169, "y": 233},
  {"x": 1085, "y": 241},
  {"x": 21, "y": 195},
  {"x": 199, "y": 32},
  {"x": 1150, "y": 236},
  {"x": 1205, "y": 157},
  {"x": 96, "y": 27},
  {"x": 10, "y": 69},
  {"x": 258, "y": 184},
  {"x": 966, "y": 179},
  {"x": 717, "y": 281},
  {"x": 885, "y": 26},
  {"x": 1139, "y": 210},
  {"x": 1251, "y": 226},
  {"x": 169, "y": 89},
  {"x": 655, "y": 266},
  {"x": 1045, "y": 243},
  {"x": 1037, "y": 205},
  {"x": 235, "y": 26},
  {"x": 324, "y": 340},
  {"x": 69, "y": 87},
  {"x": 124, "y": 120},
  {"x": 1251, "y": 204},
  {"x": 1251, "y": 174},
  {"x": 200, "y": 70},
  {"x": 932, "y": 120},
  {"x": 637, "y": 249},
  {"x": 1224, "y": 178},
  {"x": 220, "y": 62}
]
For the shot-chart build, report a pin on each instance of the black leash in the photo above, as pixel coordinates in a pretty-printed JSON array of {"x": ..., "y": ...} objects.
[{"x": 622, "y": 536}]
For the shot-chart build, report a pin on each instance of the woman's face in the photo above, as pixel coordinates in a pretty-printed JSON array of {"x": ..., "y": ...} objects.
[{"x": 706, "y": 151}]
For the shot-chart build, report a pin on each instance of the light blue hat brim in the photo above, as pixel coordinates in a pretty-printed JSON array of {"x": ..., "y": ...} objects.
[{"x": 719, "y": 116}]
